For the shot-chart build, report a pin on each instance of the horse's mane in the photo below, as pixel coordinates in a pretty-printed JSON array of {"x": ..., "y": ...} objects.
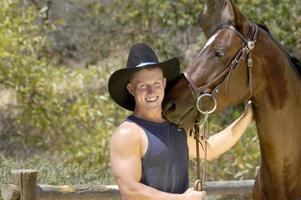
[{"x": 294, "y": 61}]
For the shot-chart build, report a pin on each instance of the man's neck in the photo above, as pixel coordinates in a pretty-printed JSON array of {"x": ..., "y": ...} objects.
[{"x": 150, "y": 116}]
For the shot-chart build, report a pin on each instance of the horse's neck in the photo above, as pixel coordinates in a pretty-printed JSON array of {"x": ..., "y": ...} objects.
[
  {"x": 278, "y": 104},
  {"x": 280, "y": 98},
  {"x": 278, "y": 123}
]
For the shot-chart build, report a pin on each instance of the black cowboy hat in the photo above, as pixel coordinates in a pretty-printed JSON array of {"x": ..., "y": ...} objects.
[{"x": 141, "y": 56}]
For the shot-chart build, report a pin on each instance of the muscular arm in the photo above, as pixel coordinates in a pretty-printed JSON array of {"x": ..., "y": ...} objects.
[
  {"x": 224, "y": 140},
  {"x": 125, "y": 155}
]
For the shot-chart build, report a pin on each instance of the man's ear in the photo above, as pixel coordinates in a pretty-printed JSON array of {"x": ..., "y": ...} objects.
[
  {"x": 129, "y": 87},
  {"x": 164, "y": 82}
]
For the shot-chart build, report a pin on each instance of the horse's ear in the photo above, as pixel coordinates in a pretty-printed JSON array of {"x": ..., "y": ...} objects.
[
  {"x": 232, "y": 14},
  {"x": 212, "y": 16},
  {"x": 218, "y": 12}
]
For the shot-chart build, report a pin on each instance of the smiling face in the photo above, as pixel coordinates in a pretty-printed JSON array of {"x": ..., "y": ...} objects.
[{"x": 147, "y": 86}]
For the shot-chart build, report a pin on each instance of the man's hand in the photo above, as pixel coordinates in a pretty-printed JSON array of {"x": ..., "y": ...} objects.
[{"x": 191, "y": 194}]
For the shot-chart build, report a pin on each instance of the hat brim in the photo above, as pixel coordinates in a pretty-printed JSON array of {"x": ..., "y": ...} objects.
[{"x": 119, "y": 79}]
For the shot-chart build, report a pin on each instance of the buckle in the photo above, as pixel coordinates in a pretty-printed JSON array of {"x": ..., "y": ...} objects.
[{"x": 251, "y": 45}]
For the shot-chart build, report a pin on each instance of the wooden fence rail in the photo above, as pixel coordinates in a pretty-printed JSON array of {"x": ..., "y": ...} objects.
[{"x": 23, "y": 187}]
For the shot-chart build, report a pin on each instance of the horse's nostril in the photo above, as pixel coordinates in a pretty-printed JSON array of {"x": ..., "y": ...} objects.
[{"x": 170, "y": 106}]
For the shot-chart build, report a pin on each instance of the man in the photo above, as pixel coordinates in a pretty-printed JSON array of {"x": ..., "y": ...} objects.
[{"x": 149, "y": 156}]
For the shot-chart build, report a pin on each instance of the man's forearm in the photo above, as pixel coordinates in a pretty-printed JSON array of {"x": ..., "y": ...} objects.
[
  {"x": 225, "y": 139},
  {"x": 139, "y": 191}
]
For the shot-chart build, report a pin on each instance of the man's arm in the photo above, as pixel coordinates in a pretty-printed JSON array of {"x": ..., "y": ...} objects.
[
  {"x": 125, "y": 155},
  {"x": 225, "y": 139}
]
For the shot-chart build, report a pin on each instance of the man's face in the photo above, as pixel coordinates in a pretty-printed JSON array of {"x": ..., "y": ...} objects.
[{"x": 147, "y": 86}]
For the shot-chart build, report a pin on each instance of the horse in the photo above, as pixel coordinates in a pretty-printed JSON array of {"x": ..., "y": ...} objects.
[{"x": 241, "y": 61}]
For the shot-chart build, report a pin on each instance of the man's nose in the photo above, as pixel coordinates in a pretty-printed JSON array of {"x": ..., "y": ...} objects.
[{"x": 150, "y": 89}]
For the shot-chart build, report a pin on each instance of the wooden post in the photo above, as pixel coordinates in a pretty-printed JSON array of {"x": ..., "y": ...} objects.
[{"x": 26, "y": 181}]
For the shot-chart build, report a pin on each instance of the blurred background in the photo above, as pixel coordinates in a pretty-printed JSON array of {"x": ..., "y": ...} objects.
[{"x": 55, "y": 59}]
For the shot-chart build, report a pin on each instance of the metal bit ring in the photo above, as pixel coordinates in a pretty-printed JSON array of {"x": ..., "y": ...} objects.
[{"x": 202, "y": 111}]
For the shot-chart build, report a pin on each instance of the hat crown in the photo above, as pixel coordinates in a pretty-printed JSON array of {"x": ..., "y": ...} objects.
[{"x": 140, "y": 55}]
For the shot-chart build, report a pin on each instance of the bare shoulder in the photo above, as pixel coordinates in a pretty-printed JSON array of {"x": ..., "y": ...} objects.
[
  {"x": 127, "y": 136},
  {"x": 128, "y": 130}
]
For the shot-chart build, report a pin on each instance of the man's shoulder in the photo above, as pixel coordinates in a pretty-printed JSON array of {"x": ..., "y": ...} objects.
[
  {"x": 127, "y": 137},
  {"x": 128, "y": 129}
]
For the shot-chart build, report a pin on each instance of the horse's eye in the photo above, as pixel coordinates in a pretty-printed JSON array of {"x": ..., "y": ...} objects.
[{"x": 219, "y": 53}]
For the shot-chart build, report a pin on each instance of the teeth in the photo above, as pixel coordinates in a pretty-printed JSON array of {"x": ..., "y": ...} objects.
[{"x": 151, "y": 99}]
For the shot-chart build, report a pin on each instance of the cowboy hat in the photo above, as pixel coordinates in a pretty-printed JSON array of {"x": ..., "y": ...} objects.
[{"x": 141, "y": 56}]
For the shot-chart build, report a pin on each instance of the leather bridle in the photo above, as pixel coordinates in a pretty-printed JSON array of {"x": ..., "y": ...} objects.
[
  {"x": 248, "y": 45},
  {"x": 205, "y": 91}
]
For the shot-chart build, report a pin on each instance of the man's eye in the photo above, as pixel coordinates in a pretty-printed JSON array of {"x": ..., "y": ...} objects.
[{"x": 219, "y": 53}]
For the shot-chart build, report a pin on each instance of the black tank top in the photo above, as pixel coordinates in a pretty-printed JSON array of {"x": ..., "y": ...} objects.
[{"x": 165, "y": 163}]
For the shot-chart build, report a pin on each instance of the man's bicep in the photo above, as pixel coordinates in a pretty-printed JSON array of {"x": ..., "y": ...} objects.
[{"x": 125, "y": 158}]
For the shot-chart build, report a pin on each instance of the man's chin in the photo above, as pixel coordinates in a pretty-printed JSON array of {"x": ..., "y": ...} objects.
[{"x": 153, "y": 107}]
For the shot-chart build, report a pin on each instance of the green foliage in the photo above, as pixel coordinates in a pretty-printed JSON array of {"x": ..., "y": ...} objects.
[
  {"x": 55, "y": 111},
  {"x": 169, "y": 26}
]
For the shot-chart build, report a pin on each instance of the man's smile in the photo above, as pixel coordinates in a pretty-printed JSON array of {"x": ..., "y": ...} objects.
[{"x": 152, "y": 99}]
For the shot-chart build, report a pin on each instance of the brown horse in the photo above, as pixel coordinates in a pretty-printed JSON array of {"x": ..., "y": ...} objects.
[{"x": 242, "y": 61}]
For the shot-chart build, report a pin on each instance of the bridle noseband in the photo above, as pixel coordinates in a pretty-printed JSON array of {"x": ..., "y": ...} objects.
[{"x": 201, "y": 92}]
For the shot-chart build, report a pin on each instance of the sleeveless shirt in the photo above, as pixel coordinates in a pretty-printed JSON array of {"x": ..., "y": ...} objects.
[{"x": 166, "y": 161}]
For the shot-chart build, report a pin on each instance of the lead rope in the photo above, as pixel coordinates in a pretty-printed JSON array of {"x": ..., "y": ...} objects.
[{"x": 200, "y": 182}]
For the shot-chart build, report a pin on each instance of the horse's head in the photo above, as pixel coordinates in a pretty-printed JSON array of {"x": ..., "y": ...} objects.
[{"x": 220, "y": 69}]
